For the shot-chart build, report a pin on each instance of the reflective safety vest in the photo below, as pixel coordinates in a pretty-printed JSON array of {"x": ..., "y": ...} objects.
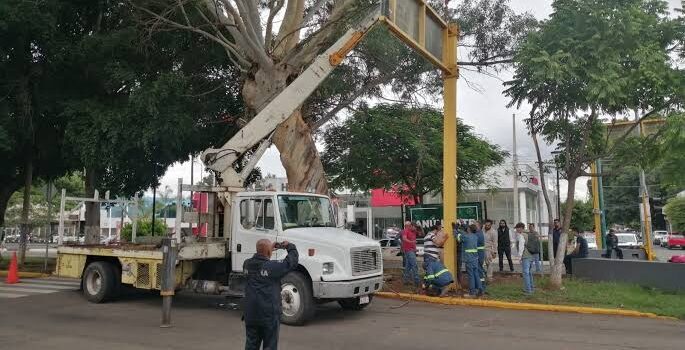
[
  {"x": 437, "y": 275},
  {"x": 470, "y": 243}
]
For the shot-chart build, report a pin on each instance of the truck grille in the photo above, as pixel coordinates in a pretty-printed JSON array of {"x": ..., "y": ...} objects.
[{"x": 365, "y": 260}]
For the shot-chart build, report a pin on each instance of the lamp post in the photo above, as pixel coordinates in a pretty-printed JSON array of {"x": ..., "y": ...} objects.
[{"x": 556, "y": 166}]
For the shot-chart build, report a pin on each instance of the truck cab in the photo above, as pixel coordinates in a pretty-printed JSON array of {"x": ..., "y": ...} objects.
[{"x": 334, "y": 264}]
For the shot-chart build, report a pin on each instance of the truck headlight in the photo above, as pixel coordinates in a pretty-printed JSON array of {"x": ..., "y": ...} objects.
[{"x": 327, "y": 268}]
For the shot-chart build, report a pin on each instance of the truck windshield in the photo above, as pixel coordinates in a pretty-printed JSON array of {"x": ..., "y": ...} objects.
[{"x": 305, "y": 211}]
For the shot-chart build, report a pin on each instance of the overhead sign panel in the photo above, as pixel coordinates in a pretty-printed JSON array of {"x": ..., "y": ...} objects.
[{"x": 419, "y": 26}]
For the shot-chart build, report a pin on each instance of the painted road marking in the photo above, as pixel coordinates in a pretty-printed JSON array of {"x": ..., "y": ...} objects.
[{"x": 27, "y": 287}]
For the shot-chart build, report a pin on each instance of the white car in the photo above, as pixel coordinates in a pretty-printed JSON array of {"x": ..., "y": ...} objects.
[
  {"x": 627, "y": 240},
  {"x": 591, "y": 240},
  {"x": 659, "y": 236}
]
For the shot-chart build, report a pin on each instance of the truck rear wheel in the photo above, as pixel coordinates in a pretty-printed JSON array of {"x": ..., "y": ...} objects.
[
  {"x": 100, "y": 282},
  {"x": 296, "y": 299},
  {"x": 354, "y": 304}
]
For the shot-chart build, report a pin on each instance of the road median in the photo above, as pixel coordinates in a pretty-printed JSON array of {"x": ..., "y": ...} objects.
[{"x": 520, "y": 306}]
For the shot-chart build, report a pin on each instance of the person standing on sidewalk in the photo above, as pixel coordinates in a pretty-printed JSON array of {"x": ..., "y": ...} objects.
[
  {"x": 470, "y": 242},
  {"x": 504, "y": 245},
  {"x": 526, "y": 258},
  {"x": 481, "y": 251},
  {"x": 411, "y": 268},
  {"x": 457, "y": 231},
  {"x": 491, "y": 239},
  {"x": 537, "y": 258},
  {"x": 556, "y": 236}
]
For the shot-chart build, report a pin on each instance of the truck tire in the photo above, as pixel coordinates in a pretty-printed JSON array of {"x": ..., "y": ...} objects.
[
  {"x": 297, "y": 301},
  {"x": 99, "y": 282},
  {"x": 353, "y": 303}
]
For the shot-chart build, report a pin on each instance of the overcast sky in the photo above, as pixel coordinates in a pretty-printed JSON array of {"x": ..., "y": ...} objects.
[{"x": 486, "y": 110}]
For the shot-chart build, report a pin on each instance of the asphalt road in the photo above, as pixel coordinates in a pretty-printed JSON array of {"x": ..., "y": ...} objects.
[{"x": 65, "y": 321}]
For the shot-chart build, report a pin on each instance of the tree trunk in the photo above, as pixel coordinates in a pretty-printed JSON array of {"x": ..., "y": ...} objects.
[
  {"x": 6, "y": 193},
  {"x": 92, "y": 226},
  {"x": 293, "y": 138},
  {"x": 543, "y": 184},
  {"x": 558, "y": 269},
  {"x": 299, "y": 156},
  {"x": 26, "y": 208}
]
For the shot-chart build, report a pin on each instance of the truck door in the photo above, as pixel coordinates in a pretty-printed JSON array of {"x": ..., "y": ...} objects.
[{"x": 256, "y": 220}]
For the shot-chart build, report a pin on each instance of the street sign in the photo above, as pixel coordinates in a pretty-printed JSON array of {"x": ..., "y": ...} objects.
[
  {"x": 431, "y": 214},
  {"x": 419, "y": 26}
]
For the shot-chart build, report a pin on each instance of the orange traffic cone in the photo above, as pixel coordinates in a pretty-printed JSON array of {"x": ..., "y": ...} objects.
[{"x": 13, "y": 273}]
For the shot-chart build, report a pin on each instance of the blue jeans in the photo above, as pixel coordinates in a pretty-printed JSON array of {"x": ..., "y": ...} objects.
[
  {"x": 473, "y": 271},
  {"x": 411, "y": 268},
  {"x": 527, "y": 266},
  {"x": 536, "y": 261},
  {"x": 427, "y": 259}
]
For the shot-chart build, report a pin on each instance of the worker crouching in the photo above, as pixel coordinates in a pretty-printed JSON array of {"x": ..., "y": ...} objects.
[{"x": 437, "y": 279}]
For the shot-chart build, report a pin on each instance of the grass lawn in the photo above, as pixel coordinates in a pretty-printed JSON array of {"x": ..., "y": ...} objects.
[
  {"x": 593, "y": 294},
  {"x": 32, "y": 264}
]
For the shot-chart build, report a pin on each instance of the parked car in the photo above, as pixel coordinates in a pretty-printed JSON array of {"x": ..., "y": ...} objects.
[
  {"x": 392, "y": 232},
  {"x": 390, "y": 247},
  {"x": 675, "y": 240},
  {"x": 628, "y": 240},
  {"x": 659, "y": 236}
]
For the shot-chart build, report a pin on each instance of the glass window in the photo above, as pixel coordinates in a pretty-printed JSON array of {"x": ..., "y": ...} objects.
[
  {"x": 246, "y": 221},
  {"x": 265, "y": 214},
  {"x": 305, "y": 211}
]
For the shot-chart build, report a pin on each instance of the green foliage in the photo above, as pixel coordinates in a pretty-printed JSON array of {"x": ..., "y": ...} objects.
[
  {"x": 582, "y": 216},
  {"x": 602, "y": 56},
  {"x": 594, "y": 294},
  {"x": 391, "y": 145},
  {"x": 143, "y": 228},
  {"x": 669, "y": 157},
  {"x": 675, "y": 212}
]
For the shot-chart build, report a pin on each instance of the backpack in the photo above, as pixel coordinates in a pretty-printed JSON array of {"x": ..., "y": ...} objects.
[{"x": 533, "y": 244}]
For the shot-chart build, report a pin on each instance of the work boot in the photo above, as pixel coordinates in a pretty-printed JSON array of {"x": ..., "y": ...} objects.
[{"x": 444, "y": 290}]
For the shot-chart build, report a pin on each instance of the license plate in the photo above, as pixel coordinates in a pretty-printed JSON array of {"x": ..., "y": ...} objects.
[{"x": 364, "y": 299}]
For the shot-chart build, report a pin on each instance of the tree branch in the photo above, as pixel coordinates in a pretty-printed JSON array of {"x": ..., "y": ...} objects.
[
  {"x": 289, "y": 31},
  {"x": 313, "y": 10},
  {"x": 311, "y": 47},
  {"x": 275, "y": 7},
  {"x": 226, "y": 44},
  {"x": 258, "y": 53}
]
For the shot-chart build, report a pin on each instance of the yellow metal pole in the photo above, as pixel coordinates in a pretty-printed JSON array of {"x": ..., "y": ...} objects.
[
  {"x": 595, "y": 206},
  {"x": 647, "y": 240},
  {"x": 449, "y": 170}
]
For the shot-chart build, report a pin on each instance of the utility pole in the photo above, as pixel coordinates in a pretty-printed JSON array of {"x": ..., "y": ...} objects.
[
  {"x": 646, "y": 215},
  {"x": 48, "y": 233},
  {"x": 516, "y": 172},
  {"x": 154, "y": 199}
]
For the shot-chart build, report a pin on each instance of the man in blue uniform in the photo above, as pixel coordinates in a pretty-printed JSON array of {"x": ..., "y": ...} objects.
[
  {"x": 481, "y": 252},
  {"x": 262, "y": 303},
  {"x": 469, "y": 241},
  {"x": 437, "y": 279}
]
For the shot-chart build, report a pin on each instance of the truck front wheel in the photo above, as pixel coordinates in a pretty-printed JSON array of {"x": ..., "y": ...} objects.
[
  {"x": 100, "y": 282},
  {"x": 354, "y": 303},
  {"x": 296, "y": 299}
]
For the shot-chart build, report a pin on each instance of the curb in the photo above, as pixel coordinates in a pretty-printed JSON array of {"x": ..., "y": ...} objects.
[
  {"x": 27, "y": 274},
  {"x": 521, "y": 306}
]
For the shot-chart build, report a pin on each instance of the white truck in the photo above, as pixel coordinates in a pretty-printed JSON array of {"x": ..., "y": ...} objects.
[{"x": 335, "y": 264}]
